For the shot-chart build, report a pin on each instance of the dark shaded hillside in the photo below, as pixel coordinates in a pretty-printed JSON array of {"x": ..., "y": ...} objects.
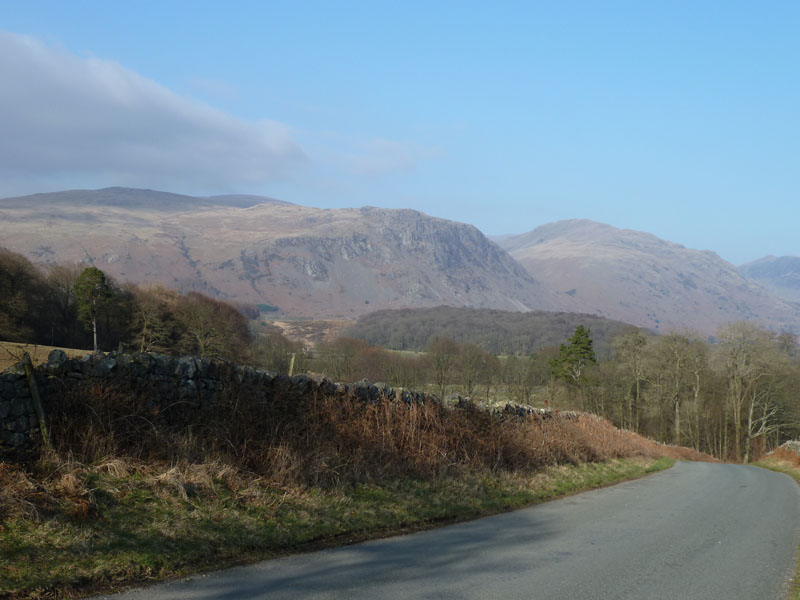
[{"x": 497, "y": 331}]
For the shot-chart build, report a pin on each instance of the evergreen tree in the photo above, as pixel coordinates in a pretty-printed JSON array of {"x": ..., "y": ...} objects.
[{"x": 574, "y": 356}]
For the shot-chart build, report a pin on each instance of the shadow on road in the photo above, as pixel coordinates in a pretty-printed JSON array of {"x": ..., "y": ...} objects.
[{"x": 489, "y": 548}]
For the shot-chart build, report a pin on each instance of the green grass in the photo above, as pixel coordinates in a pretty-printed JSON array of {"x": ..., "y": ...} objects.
[{"x": 143, "y": 527}]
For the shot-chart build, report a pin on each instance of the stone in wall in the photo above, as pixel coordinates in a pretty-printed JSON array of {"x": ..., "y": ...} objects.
[{"x": 18, "y": 423}]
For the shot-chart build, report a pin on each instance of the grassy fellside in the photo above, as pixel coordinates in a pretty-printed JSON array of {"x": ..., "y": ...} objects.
[
  {"x": 784, "y": 461},
  {"x": 145, "y": 525}
]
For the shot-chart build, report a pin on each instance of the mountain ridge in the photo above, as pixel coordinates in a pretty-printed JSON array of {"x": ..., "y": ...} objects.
[
  {"x": 125, "y": 197},
  {"x": 780, "y": 274},
  {"x": 639, "y": 278},
  {"x": 343, "y": 263},
  {"x": 311, "y": 262}
]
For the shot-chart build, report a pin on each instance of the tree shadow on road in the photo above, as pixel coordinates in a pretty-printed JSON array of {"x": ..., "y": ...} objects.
[{"x": 445, "y": 562}]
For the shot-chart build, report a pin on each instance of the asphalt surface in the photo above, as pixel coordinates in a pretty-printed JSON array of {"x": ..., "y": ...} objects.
[{"x": 697, "y": 530}]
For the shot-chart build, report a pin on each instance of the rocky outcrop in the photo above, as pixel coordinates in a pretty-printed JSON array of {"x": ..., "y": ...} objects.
[{"x": 792, "y": 446}]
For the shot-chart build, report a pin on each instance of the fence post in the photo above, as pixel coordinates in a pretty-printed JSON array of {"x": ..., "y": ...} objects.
[{"x": 37, "y": 400}]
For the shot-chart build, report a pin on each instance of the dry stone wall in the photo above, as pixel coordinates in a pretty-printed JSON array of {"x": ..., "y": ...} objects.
[{"x": 178, "y": 390}]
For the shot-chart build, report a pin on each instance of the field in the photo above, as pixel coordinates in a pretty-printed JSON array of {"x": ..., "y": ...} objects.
[
  {"x": 11, "y": 353},
  {"x": 310, "y": 332}
]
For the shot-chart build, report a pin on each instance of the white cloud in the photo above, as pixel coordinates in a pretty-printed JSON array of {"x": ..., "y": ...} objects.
[{"x": 69, "y": 118}]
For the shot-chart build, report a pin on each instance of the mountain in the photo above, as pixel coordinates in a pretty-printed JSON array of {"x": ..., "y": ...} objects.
[
  {"x": 308, "y": 262},
  {"x": 343, "y": 263},
  {"x": 779, "y": 274},
  {"x": 638, "y": 278}
]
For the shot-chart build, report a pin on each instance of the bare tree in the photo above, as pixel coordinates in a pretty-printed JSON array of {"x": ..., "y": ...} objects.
[
  {"x": 153, "y": 326},
  {"x": 441, "y": 354},
  {"x": 679, "y": 360},
  {"x": 211, "y": 328},
  {"x": 748, "y": 356},
  {"x": 629, "y": 354}
]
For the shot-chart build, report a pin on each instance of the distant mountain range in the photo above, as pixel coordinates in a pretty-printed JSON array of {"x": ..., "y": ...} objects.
[
  {"x": 641, "y": 279},
  {"x": 343, "y": 263},
  {"x": 779, "y": 274}
]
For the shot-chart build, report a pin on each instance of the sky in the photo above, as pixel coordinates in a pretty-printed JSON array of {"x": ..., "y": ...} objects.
[{"x": 681, "y": 119}]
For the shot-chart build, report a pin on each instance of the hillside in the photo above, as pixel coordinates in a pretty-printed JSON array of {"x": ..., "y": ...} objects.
[
  {"x": 641, "y": 279},
  {"x": 779, "y": 274},
  {"x": 308, "y": 262},
  {"x": 498, "y": 332}
]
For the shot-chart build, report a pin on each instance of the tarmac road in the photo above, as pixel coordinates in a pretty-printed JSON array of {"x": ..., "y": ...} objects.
[{"x": 697, "y": 530}]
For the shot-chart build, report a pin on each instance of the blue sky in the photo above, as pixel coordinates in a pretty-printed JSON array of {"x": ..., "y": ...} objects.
[{"x": 677, "y": 118}]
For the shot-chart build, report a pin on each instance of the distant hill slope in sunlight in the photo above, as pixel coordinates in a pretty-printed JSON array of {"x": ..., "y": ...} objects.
[
  {"x": 638, "y": 278},
  {"x": 780, "y": 274}
]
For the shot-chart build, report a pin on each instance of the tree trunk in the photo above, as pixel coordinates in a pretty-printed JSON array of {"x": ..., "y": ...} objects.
[
  {"x": 747, "y": 439},
  {"x": 94, "y": 331},
  {"x": 697, "y": 409},
  {"x": 724, "y": 447}
]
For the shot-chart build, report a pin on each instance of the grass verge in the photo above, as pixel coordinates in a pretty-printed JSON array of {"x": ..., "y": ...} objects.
[
  {"x": 139, "y": 525},
  {"x": 785, "y": 461}
]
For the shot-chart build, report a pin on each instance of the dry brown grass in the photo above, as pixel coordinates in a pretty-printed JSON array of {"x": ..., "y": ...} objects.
[
  {"x": 11, "y": 353},
  {"x": 783, "y": 457},
  {"x": 292, "y": 443},
  {"x": 26, "y": 495},
  {"x": 326, "y": 441}
]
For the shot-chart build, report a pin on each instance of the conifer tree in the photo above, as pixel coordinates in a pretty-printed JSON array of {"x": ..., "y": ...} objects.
[{"x": 574, "y": 356}]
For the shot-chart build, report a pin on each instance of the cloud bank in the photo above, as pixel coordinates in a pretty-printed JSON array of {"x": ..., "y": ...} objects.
[{"x": 71, "y": 118}]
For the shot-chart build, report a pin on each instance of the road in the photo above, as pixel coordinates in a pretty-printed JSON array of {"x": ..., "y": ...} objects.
[{"x": 697, "y": 530}]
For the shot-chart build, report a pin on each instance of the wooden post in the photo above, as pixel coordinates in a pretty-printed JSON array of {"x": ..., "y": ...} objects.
[
  {"x": 37, "y": 400},
  {"x": 291, "y": 365}
]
